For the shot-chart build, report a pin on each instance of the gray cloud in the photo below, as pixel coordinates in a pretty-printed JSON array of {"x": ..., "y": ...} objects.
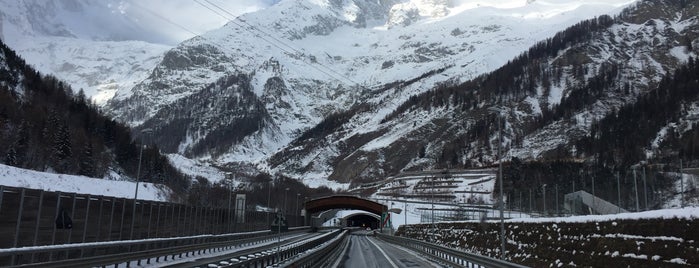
[
  {"x": 156, "y": 21},
  {"x": 172, "y": 21}
]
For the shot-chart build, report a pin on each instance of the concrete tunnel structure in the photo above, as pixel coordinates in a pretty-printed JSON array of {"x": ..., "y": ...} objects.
[{"x": 374, "y": 209}]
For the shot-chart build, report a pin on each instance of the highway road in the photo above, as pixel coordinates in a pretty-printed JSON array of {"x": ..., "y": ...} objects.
[{"x": 368, "y": 251}]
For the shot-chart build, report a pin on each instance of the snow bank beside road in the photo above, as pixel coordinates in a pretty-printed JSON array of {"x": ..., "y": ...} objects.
[
  {"x": 17, "y": 177},
  {"x": 688, "y": 213}
]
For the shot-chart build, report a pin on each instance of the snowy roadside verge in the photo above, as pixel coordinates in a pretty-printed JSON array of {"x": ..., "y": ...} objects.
[
  {"x": 17, "y": 177},
  {"x": 658, "y": 238}
]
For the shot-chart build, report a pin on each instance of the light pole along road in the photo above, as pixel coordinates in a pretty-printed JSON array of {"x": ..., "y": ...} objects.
[
  {"x": 138, "y": 180},
  {"x": 501, "y": 202}
]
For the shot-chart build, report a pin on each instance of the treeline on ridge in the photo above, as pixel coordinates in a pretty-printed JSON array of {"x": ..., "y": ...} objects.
[
  {"x": 621, "y": 137},
  {"x": 518, "y": 78}
]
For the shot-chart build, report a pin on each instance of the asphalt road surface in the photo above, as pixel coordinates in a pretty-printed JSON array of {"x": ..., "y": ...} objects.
[{"x": 367, "y": 252}]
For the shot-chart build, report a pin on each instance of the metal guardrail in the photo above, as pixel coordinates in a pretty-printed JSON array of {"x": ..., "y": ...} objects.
[
  {"x": 126, "y": 251},
  {"x": 447, "y": 255},
  {"x": 321, "y": 256},
  {"x": 272, "y": 257}
]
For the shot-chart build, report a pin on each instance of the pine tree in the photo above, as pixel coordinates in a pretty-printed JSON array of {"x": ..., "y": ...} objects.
[
  {"x": 11, "y": 157},
  {"x": 61, "y": 148},
  {"x": 87, "y": 162}
]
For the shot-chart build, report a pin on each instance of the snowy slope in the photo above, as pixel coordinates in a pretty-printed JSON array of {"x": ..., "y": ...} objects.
[
  {"x": 104, "y": 46},
  {"x": 647, "y": 49},
  {"x": 83, "y": 42},
  {"x": 113, "y": 185},
  {"x": 99, "y": 68}
]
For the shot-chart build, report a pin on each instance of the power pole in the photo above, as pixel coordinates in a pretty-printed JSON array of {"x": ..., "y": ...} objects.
[
  {"x": 432, "y": 217},
  {"x": 645, "y": 190},
  {"x": 138, "y": 179},
  {"x": 618, "y": 192},
  {"x": 230, "y": 193},
  {"x": 594, "y": 197},
  {"x": 531, "y": 209},
  {"x": 501, "y": 201},
  {"x": 269, "y": 195},
  {"x": 635, "y": 187},
  {"x": 557, "y": 211},
  {"x": 543, "y": 191},
  {"x": 681, "y": 185},
  {"x": 520, "y": 202},
  {"x": 405, "y": 211},
  {"x": 135, "y": 196}
]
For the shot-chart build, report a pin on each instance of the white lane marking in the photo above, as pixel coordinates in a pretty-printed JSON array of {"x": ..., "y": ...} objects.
[
  {"x": 383, "y": 252},
  {"x": 415, "y": 254}
]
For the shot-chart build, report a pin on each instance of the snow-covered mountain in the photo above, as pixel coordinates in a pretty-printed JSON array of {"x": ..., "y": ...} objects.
[
  {"x": 99, "y": 57},
  {"x": 289, "y": 66},
  {"x": 549, "y": 98},
  {"x": 350, "y": 91},
  {"x": 99, "y": 68},
  {"x": 104, "y": 46}
]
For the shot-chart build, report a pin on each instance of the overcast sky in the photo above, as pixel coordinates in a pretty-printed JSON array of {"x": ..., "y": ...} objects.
[{"x": 173, "y": 21}]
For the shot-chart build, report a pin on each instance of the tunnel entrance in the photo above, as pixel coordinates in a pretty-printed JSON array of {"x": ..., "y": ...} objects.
[
  {"x": 363, "y": 221},
  {"x": 346, "y": 202}
]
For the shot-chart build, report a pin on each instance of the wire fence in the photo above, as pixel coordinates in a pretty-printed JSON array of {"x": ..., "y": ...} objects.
[
  {"x": 613, "y": 196},
  {"x": 30, "y": 217}
]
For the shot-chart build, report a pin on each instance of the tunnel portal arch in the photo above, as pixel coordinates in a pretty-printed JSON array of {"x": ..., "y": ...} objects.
[{"x": 343, "y": 202}]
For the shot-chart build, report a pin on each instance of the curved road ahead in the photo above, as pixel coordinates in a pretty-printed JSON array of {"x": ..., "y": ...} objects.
[{"x": 368, "y": 251}]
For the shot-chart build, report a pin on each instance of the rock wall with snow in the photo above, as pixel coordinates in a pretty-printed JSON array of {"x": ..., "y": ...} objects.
[{"x": 653, "y": 238}]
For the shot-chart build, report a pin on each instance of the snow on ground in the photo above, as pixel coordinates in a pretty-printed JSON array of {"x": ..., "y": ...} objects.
[
  {"x": 315, "y": 180},
  {"x": 686, "y": 185},
  {"x": 415, "y": 215},
  {"x": 17, "y": 177},
  {"x": 679, "y": 213},
  {"x": 195, "y": 168},
  {"x": 481, "y": 183}
]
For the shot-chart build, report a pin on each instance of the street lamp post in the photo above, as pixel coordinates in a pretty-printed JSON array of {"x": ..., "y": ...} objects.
[
  {"x": 594, "y": 196},
  {"x": 557, "y": 211},
  {"x": 230, "y": 196},
  {"x": 434, "y": 229},
  {"x": 389, "y": 217},
  {"x": 279, "y": 225},
  {"x": 501, "y": 201},
  {"x": 635, "y": 187},
  {"x": 269, "y": 196},
  {"x": 681, "y": 186},
  {"x": 296, "y": 211},
  {"x": 138, "y": 180},
  {"x": 618, "y": 193},
  {"x": 286, "y": 193},
  {"x": 531, "y": 208},
  {"x": 543, "y": 190}
]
